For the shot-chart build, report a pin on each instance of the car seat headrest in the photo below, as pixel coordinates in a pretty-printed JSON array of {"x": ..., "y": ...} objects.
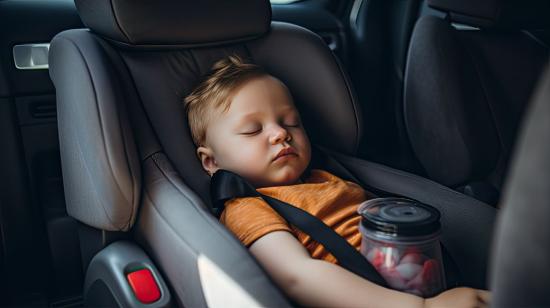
[
  {"x": 169, "y": 22},
  {"x": 511, "y": 14}
]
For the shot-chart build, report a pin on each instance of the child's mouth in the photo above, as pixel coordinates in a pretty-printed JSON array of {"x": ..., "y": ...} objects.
[{"x": 285, "y": 153}]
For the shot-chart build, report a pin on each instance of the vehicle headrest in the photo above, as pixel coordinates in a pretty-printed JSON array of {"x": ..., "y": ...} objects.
[
  {"x": 175, "y": 22},
  {"x": 515, "y": 14}
]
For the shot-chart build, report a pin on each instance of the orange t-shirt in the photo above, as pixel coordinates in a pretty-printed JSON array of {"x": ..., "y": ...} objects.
[{"x": 323, "y": 195}]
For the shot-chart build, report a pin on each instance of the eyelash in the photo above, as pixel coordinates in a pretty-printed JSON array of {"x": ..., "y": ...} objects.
[
  {"x": 259, "y": 130},
  {"x": 251, "y": 133}
]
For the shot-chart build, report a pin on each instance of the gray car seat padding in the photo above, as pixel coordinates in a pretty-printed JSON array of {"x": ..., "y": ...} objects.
[
  {"x": 520, "y": 272},
  {"x": 101, "y": 169},
  {"x": 171, "y": 23}
]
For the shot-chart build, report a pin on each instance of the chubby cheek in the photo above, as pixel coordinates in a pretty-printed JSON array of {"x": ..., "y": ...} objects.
[
  {"x": 302, "y": 142},
  {"x": 243, "y": 159},
  {"x": 253, "y": 159}
]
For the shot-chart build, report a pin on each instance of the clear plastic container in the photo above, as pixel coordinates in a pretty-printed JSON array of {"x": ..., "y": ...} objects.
[{"x": 400, "y": 238}]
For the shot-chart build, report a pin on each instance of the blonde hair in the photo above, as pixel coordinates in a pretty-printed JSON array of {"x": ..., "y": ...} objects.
[{"x": 215, "y": 93}]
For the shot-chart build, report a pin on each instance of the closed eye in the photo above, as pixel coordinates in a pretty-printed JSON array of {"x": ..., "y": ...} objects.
[{"x": 252, "y": 132}]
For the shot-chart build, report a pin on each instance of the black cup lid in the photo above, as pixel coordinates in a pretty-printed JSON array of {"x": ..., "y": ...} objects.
[{"x": 399, "y": 216}]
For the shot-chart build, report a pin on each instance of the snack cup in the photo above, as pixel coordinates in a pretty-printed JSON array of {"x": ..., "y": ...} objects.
[{"x": 400, "y": 238}]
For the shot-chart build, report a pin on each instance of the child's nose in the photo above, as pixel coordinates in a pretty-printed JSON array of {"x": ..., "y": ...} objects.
[{"x": 279, "y": 135}]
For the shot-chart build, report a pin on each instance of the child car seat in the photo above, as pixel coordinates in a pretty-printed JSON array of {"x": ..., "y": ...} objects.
[{"x": 129, "y": 166}]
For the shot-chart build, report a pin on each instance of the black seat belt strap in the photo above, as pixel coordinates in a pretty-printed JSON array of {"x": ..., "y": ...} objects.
[{"x": 226, "y": 185}]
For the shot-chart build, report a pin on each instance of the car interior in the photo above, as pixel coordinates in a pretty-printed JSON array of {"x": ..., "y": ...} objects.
[{"x": 443, "y": 101}]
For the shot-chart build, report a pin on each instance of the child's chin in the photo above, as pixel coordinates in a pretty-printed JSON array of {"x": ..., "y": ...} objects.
[{"x": 288, "y": 178}]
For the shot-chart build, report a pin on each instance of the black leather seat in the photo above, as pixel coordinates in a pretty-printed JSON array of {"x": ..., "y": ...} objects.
[
  {"x": 469, "y": 77},
  {"x": 129, "y": 165}
]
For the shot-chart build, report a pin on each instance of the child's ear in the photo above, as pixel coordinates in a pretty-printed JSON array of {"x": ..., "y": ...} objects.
[{"x": 206, "y": 155}]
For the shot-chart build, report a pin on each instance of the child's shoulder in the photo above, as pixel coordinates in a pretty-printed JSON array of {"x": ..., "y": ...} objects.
[{"x": 240, "y": 207}]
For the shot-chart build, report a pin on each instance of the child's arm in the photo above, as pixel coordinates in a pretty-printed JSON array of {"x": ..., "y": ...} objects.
[{"x": 318, "y": 283}]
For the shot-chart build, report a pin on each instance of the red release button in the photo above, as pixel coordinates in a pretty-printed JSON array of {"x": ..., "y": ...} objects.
[{"x": 144, "y": 285}]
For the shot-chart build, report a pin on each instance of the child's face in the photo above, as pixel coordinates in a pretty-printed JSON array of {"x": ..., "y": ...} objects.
[{"x": 260, "y": 137}]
